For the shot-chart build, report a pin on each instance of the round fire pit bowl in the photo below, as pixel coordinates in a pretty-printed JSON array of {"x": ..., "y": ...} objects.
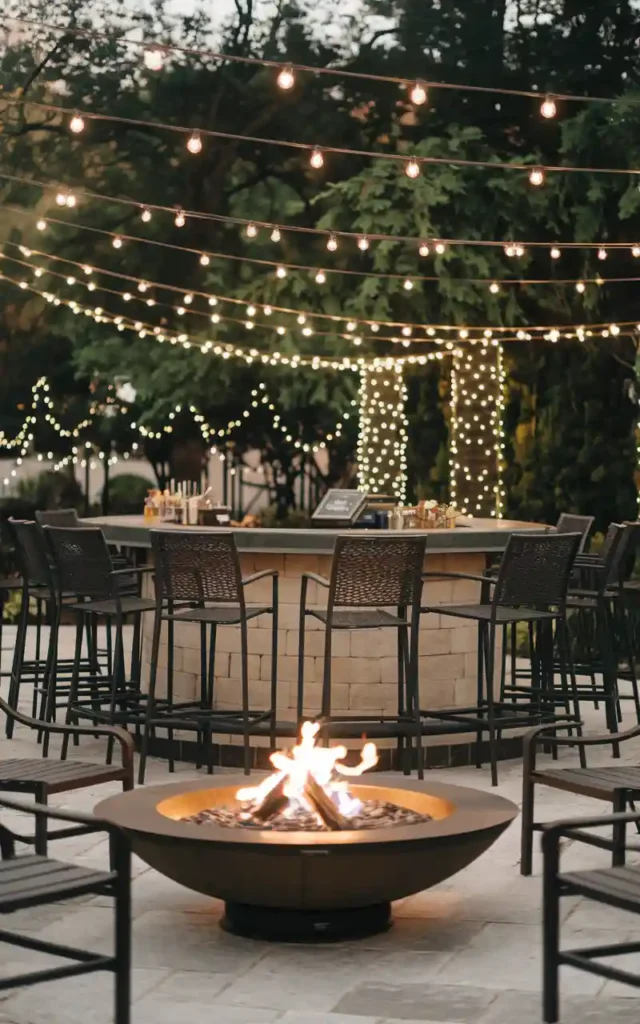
[{"x": 309, "y": 885}]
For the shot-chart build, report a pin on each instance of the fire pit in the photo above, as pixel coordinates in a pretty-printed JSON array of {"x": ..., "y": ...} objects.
[{"x": 303, "y": 855}]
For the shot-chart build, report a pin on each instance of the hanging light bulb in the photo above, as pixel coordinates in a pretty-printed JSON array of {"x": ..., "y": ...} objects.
[
  {"x": 548, "y": 107},
  {"x": 117, "y": 242},
  {"x": 602, "y": 253},
  {"x": 494, "y": 287},
  {"x": 280, "y": 330},
  {"x": 142, "y": 286},
  {"x": 440, "y": 248},
  {"x": 321, "y": 277},
  {"x": 614, "y": 329},
  {"x": 41, "y": 224},
  {"x": 636, "y": 251},
  {"x": 406, "y": 331},
  {"x": 251, "y": 230},
  {"x": 412, "y": 168},
  {"x": 418, "y": 93},
  {"x": 76, "y": 124},
  {"x": 281, "y": 272},
  {"x": 351, "y": 326},
  {"x": 88, "y": 270},
  {"x": 536, "y": 176},
  {"x": 408, "y": 285},
  {"x": 194, "y": 143},
  {"x": 599, "y": 281},
  {"x": 510, "y": 250},
  {"x": 153, "y": 58},
  {"x": 251, "y": 311},
  {"x": 286, "y": 78},
  {"x": 580, "y": 286},
  {"x": 555, "y": 253},
  {"x": 363, "y": 243},
  {"x": 332, "y": 243},
  {"x": 213, "y": 301},
  {"x": 519, "y": 250},
  {"x": 70, "y": 199},
  {"x": 375, "y": 328},
  {"x": 145, "y": 215},
  {"x": 204, "y": 260},
  {"x": 180, "y": 218},
  {"x": 316, "y": 159},
  {"x": 275, "y": 235},
  {"x": 188, "y": 299},
  {"x": 423, "y": 249},
  {"x": 302, "y": 319},
  {"x": 267, "y": 311}
]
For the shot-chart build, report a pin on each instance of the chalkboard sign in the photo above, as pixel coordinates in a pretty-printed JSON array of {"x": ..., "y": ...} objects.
[{"x": 339, "y": 506}]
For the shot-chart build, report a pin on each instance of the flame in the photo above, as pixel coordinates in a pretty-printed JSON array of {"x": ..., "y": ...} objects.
[{"x": 323, "y": 763}]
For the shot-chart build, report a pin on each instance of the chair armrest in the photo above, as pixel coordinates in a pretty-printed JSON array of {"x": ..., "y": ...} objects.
[
  {"x": 579, "y": 741},
  {"x": 112, "y": 731},
  {"x": 316, "y": 579},
  {"x": 259, "y": 576},
  {"x": 131, "y": 569},
  {"x": 74, "y": 817},
  {"x": 457, "y": 576},
  {"x": 571, "y": 828}
]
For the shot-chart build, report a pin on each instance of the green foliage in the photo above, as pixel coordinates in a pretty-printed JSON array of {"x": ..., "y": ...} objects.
[{"x": 127, "y": 493}]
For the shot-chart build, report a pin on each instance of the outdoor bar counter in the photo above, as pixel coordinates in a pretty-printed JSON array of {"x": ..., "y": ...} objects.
[{"x": 364, "y": 670}]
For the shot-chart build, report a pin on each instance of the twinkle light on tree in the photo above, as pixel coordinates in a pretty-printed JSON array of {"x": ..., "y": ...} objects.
[
  {"x": 382, "y": 441},
  {"x": 477, "y": 439}
]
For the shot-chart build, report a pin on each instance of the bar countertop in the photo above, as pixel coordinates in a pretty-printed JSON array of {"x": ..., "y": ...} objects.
[{"x": 470, "y": 535}]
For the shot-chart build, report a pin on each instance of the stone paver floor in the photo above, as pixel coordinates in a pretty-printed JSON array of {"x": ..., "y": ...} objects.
[{"x": 465, "y": 952}]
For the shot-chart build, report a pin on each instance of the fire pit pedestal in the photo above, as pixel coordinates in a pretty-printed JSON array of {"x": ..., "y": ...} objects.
[{"x": 302, "y": 885}]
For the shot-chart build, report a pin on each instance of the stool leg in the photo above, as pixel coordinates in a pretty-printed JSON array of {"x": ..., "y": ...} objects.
[
  {"x": 414, "y": 675},
  {"x": 619, "y": 829},
  {"x": 402, "y": 701},
  {"x": 40, "y": 838},
  {"x": 73, "y": 686},
  {"x": 170, "y": 632},
  {"x": 122, "y": 864},
  {"x": 274, "y": 664},
  {"x": 550, "y": 935},
  {"x": 301, "y": 640},
  {"x": 153, "y": 670},
  {"x": 49, "y": 696},
  {"x": 490, "y": 653},
  {"x": 18, "y": 659},
  {"x": 245, "y": 695},
  {"x": 326, "y": 680}
]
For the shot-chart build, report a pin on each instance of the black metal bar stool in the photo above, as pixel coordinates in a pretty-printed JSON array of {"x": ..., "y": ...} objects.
[
  {"x": 82, "y": 566},
  {"x": 531, "y": 586},
  {"x": 369, "y": 575},
  {"x": 198, "y": 579}
]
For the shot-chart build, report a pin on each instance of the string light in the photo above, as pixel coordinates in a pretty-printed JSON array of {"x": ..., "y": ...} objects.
[
  {"x": 316, "y": 159},
  {"x": 321, "y": 277},
  {"x": 423, "y": 249},
  {"x": 332, "y": 243},
  {"x": 418, "y": 94},
  {"x": 602, "y": 253},
  {"x": 153, "y": 57},
  {"x": 41, "y": 224},
  {"x": 382, "y": 440},
  {"x": 635, "y": 252},
  {"x": 580, "y": 286},
  {"x": 536, "y": 176},
  {"x": 76, "y": 124},
  {"x": 408, "y": 285},
  {"x": 194, "y": 143},
  {"x": 494, "y": 287},
  {"x": 476, "y": 447},
  {"x": 180, "y": 218},
  {"x": 204, "y": 260},
  {"x": 145, "y": 214},
  {"x": 412, "y": 169},
  {"x": 440, "y": 248},
  {"x": 281, "y": 272},
  {"x": 251, "y": 230},
  {"x": 555, "y": 253},
  {"x": 275, "y": 235},
  {"x": 548, "y": 108},
  {"x": 117, "y": 242},
  {"x": 286, "y": 78},
  {"x": 363, "y": 243}
]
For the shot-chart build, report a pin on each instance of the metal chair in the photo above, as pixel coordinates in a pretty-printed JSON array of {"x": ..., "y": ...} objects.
[
  {"x": 369, "y": 575},
  {"x": 83, "y": 566},
  {"x": 531, "y": 586},
  {"x": 618, "y": 785},
  {"x": 43, "y": 778},
  {"x": 198, "y": 579},
  {"x": 615, "y": 887},
  {"x": 34, "y": 880}
]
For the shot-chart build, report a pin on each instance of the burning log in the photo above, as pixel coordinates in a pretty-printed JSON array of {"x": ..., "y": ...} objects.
[
  {"x": 324, "y": 805},
  {"x": 274, "y": 802}
]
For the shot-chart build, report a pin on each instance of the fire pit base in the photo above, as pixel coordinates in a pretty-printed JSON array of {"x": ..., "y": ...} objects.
[{"x": 328, "y": 925}]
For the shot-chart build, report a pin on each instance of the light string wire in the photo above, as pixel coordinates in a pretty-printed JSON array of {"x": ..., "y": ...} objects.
[
  {"x": 508, "y": 334},
  {"x": 423, "y": 243},
  {"x": 282, "y": 268},
  {"x": 230, "y": 58},
  {"x": 226, "y": 350},
  {"x": 407, "y": 158}
]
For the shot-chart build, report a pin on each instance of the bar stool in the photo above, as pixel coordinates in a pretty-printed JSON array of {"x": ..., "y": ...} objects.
[
  {"x": 368, "y": 576},
  {"x": 82, "y": 566},
  {"x": 531, "y": 586},
  {"x": 198, "y": 579}
]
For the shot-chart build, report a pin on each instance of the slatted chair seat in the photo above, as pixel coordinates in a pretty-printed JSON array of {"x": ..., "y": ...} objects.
[
  {"x": 110, "y": 607},
  {"x": 31, "y": 880},
  {"x": 599, "y": 783},
  {"x": 10, "y": 583},
  {"x": 56, "y": 776},
  {"x": 618, "y": 887},
  {"x": 482, "y": 612},
  {"x": 365, "y": 618},
  {"x": 221, "y": 615}
]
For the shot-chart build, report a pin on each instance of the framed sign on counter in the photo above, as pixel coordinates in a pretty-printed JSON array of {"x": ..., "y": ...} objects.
[{"x": 340, "y": 506}]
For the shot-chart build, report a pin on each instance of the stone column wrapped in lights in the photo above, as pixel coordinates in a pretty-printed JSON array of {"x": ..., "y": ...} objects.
[
  {"x": 382, "y": 441},
  {"x": 476, "y": 450}
]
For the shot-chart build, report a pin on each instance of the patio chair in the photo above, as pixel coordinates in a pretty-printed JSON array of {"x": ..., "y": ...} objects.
[
  {"x": 616, "y": 887},
  {"x": 616, "y": 784},
  {"x": 34, "y": 880},
  {"x": 43, "y": 778}
]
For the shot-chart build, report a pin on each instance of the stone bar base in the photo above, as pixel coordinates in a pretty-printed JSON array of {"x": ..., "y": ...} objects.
[{"x": 364, "y": 664}]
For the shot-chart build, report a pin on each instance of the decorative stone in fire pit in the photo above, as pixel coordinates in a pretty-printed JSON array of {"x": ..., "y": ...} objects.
[{"x": 303, "y": 855}]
